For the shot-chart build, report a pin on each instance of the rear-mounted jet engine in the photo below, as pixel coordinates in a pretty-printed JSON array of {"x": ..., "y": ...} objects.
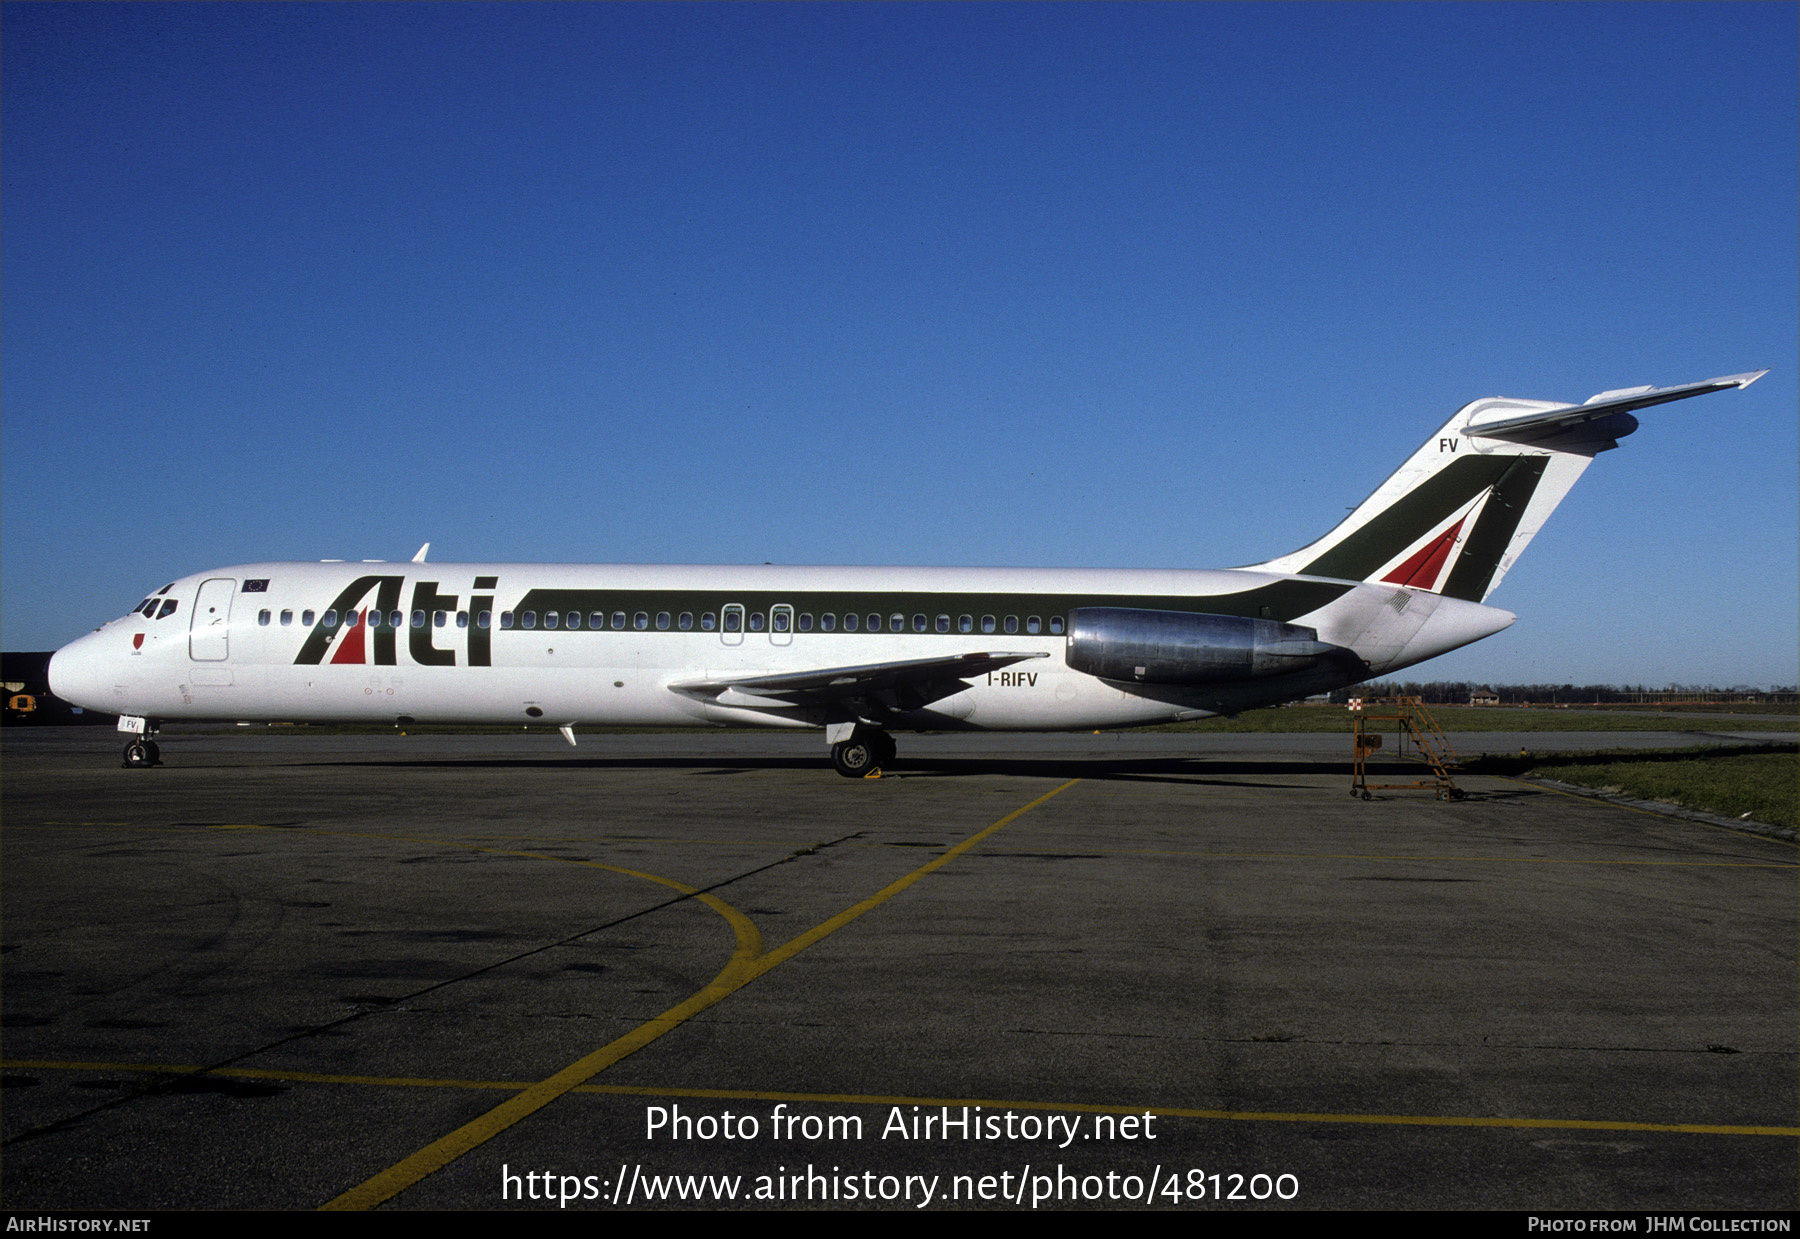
[{"x": 1184, "y": 647}]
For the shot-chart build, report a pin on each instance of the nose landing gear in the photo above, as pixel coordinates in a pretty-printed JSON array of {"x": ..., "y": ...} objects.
[
  {"x": 140, "y": 751},
  {"x": 864, "y": 754}
]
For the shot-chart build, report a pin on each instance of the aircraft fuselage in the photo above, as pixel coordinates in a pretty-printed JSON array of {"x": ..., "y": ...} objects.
[{"x": 615, "y": 644}]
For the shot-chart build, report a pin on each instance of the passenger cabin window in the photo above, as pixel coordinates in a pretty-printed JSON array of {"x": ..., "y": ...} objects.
[
  {"x": 805, "y": 622},
  {"x": 596, "y": 619},
  {"x": 418, "y": 619},
  {"x": 756, "y": 621},
  {"x": 943, "y": 623},
  {"x": 987, "y": 623},
  {"x": 1033, "y": 623},
  {"x": 331, "y": 619},
  {"x": 686, "y": 622},
  {"x": 306, "y": 617},
  {"x": 897, "y": 622},
  {"x": 641, "y": 620},
  {"x": 965, "y": 623},
  {"x": 662, "y": 621},
  {"x": 734, "y": 619},
  {"x": 528, "y": 619},
  {"x": 263, "y": 618},
  {"x": 462, "y": 619},
  {"x": 397, "y": 619},
  {"x": 484, "y": 619},
  {"x": 851, "y": 621},
  {"x": 780, "y": 619},
  {"x": 1012, "y": 623},
  {"x": 287, "y": 618},
  {"x": 919, "y": 623},
  {"x": 827, "y": 622},
  {"x": 507, "y": 619},
  {"x": 572, "y": 620},
  {"x": 551, "y": 619},
  {"x": 1056, "y": 625},
  {"x": 708, "y": 621},
  {"x": 618, "y": 621}
]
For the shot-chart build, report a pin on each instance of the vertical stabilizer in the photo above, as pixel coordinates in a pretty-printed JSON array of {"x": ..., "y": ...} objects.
[{"x": 1455, "y": 517}]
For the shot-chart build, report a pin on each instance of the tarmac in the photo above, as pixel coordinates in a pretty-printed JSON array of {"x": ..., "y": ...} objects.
[{"x": 1131, "y": 970}]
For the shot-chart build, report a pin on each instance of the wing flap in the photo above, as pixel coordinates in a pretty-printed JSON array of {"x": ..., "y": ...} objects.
[{"x": 843, "y": 683}]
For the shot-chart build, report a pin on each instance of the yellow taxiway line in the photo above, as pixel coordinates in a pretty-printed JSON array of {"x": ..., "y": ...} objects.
[{"x": 739, "y": 972}]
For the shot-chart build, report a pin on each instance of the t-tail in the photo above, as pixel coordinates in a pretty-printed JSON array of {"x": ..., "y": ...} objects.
[{"x": 1454, "y": 518}]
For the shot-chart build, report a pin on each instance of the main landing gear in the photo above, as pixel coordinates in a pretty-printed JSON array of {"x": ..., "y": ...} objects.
[{"x": 864, "y": 754}]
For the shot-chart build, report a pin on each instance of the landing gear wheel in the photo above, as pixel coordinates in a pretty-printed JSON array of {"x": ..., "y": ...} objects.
[
  {"x": 856, "y": 757},
  {"x": 1457, "y": 793},
  {"x": 137, "y": 753},
  {"x": 1368, "y": 796}
]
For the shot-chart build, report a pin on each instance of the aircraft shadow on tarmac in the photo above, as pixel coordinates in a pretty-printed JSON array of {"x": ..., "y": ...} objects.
[{"x": 1150, "y": 769}]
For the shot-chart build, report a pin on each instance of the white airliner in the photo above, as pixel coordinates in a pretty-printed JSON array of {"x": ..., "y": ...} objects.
[{"x": 862, "y": 652}]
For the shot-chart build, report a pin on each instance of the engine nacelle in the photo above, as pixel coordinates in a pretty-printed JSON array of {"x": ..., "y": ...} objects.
[{"x": 1184, "y": 647}]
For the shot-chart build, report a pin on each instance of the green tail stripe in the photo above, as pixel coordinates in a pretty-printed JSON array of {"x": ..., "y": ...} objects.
[
  {"x": 1359, "y": 556},
  {"x": 1493, "y": 533}
]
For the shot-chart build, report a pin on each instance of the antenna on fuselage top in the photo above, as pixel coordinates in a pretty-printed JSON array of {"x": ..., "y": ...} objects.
[{"x": 420, "y": 557}]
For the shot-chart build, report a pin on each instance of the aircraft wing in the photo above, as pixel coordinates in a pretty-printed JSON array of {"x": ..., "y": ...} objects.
[
  {"x": 1607, "y": 403},
  {"x": 829, "y": 684}
]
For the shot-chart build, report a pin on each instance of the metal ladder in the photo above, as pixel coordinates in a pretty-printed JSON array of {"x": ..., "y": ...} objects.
[{"x": 1417, "y": 737}]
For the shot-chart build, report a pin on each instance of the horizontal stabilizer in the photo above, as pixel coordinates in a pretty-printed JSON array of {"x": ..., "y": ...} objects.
[
  {"x": 1606, "y": 404},
  {"x": 841, "y": 683}
]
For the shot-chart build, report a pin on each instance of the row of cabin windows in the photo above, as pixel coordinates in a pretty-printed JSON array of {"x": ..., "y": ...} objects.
[
  {"x": 732, "y": 618},
  {"x": 393, "y": 619}
]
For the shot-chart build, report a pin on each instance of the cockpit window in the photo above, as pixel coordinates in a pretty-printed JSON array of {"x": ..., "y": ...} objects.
[{"x": 168, "y": 608}]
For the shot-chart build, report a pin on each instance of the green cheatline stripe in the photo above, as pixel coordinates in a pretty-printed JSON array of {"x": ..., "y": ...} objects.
[{"x": 735, "y": 975}]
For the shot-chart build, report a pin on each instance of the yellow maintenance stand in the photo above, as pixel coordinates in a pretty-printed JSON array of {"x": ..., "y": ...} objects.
[{"x": 1417, "y": 738}]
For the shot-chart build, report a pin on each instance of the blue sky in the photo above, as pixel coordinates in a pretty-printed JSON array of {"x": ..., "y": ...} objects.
[{"x": 1117, "y": 286}]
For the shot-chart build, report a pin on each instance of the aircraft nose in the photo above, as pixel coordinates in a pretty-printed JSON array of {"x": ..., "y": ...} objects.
[{"x": 77, "y": 673}]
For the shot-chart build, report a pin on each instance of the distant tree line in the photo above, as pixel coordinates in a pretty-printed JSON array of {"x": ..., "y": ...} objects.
[{"x": 1459, "y": 692}]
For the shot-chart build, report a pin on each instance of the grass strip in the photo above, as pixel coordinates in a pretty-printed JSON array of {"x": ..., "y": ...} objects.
[
  {"x": 1761, "y": 782},
  {"x": 1486, "y": 718}
]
